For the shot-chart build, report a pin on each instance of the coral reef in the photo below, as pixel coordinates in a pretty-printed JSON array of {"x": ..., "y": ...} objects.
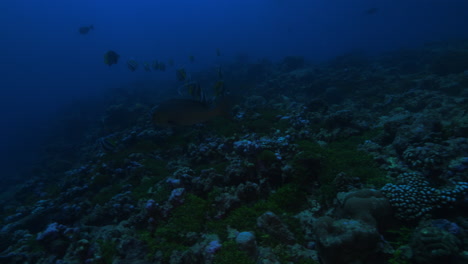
[{"x": 356, "y": 160}]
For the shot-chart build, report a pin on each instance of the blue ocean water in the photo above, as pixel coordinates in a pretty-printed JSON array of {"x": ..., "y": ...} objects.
[
  {"x": 54, "y": 83},
  {"x": 46, "y": 63}
]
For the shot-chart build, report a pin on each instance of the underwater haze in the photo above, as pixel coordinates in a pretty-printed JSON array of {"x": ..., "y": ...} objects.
[
  {"x": 234, "y": 131},
  {"x": 47, "y": 64}
]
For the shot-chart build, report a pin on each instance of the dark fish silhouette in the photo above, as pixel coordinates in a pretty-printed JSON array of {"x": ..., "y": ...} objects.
[
  {"x": 111, "y": 57},
  {"x": 371, "y": 11},
  {"x": 181, "y": 74},
  {"x": 85, "y": 30},
  {"x": 132, "y": 65}
]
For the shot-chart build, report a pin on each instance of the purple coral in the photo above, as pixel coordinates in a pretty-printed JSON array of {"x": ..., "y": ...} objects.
[
  {"x": 177, "y": 195},
  {"x": 151, "y": 206},
  {"x": 52, "y": 231},
  {"x": 213, "y": 247},
  {"x": 446, "y": 225}
]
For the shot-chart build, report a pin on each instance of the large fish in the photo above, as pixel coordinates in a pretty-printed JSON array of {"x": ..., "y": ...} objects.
[
  {"x": 185, "y": 112},
  {"x": 85, "y": 30}
]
